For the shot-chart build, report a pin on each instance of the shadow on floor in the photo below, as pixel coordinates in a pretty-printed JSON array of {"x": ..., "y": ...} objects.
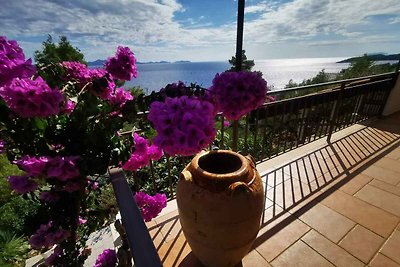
[{"x": 299, "y": 185}]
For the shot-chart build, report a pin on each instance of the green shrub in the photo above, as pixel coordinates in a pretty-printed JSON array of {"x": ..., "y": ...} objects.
[{"x": 12, "y": 249}]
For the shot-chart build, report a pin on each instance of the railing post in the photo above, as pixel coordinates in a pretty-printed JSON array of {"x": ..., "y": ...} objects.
[
  {"x": 334, "y": 113},
  {"x": 141, "y": 245}
]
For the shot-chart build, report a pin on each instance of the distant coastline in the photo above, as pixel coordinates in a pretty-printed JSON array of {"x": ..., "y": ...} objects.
[
  {"x": 375, "y": 57},
  {"x": 101, "y": 62}
]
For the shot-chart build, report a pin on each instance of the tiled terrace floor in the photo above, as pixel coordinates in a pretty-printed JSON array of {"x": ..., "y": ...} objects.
[{"x": 334, "y": 204}]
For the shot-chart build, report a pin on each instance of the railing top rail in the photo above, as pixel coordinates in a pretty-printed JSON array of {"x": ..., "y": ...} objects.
[
  {"x": 327, "y": 91},
  {"x": 331, "y": 83}
]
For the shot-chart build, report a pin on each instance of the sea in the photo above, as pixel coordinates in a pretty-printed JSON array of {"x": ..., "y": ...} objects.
[{"x": 277, "y": 72}]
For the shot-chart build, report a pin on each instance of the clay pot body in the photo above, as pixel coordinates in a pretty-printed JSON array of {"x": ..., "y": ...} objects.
[{"x": 220, "y": 201}]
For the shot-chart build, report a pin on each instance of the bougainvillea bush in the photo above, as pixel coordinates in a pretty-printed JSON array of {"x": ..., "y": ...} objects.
[{"x": 65, "y": 136}]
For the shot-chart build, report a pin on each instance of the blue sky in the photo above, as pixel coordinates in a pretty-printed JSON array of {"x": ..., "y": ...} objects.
[{"x": 206, "y": 30}]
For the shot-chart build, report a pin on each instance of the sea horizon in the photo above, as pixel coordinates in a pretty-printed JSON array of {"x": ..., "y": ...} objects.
[{"x": 277, "y": 72}]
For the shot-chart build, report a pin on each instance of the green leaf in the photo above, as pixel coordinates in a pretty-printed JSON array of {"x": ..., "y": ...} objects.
[{"x": 41, "y": 124}]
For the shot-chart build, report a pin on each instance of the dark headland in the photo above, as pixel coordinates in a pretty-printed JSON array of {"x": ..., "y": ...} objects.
[{"x": 374, "y": 57}]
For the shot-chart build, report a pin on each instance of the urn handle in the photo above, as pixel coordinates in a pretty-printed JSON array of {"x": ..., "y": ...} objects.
[
  {"x": 251, "y": 160},
  {"x": 186, "y": 175},
  {"x": 237, "y": 187}
]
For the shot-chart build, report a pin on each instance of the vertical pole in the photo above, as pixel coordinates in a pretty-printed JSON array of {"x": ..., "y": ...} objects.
[{"x": 238, "y": 66}]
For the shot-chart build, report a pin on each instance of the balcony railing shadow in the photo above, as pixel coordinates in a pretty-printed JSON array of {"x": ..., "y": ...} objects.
[{"x": 297, "y": 186}]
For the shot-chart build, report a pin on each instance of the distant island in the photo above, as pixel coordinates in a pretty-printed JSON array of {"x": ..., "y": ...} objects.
[
  {"x": 374, "y": 57},
  {"x": 100, "y": 62}
]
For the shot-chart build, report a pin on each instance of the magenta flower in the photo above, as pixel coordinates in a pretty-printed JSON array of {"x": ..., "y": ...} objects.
[
  {"x": 108, "y": 258},
  {"x": 227, "y": 123},
  {"x": 119, "y": 97},
  {"x": 32, "y": 165},
  {"x": 123, "y": 65},
  {"x": 32, "y": 98},
  {"x": 142, "y": 155},
  {"x": 150, "y": 206},
  {"x": 69, "y": 107},
  {"x": 184, "y": 125},
  {"x": 63, "y": 168},
  {"x": 22, "y": 184},
  {"x": 237, "y": 93},
  {"x": 48, "y": 235},
  {"x": 102, "y": 82},
  {"x": 82, "y": 220},
  {"x": 154, "y": 152},
  {"x": 2, "y": 146},
  {"x": 77, "y": 71},
  {"x": 12, "y": 62}
]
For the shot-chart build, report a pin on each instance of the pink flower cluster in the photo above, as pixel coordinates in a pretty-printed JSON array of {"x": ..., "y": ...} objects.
[
  {"x": 12, "y": 62},
  {"x": 237, "y": 93},
  {"x": 150, "y": 206},
  {"x": 69, "y": 107},
  {"x": 61, "y": 168},
  {"x": 123, "y": 65},
  {"x": 184, "y": 125},
  {"x": 48, "y": 235},
  {"x": 102, "y": 81},
  {"x": 108, "y": 258},
  {"x": 119, "y": 97},
  {"x": 32, "y": 98},
  {"x": 2, "y": 146},
  {"x": 142, "y": 155}
]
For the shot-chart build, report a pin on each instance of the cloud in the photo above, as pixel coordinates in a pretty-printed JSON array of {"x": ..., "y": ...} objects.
[
  {"x": 150, "y": 27},
  {"x": 304, "y": 19},
  {"x": 257, "y": 8}
]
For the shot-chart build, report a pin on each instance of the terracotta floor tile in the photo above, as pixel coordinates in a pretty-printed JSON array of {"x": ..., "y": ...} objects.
[
  {"x": 254, "y": 259},
  {"x": 330, "y": 250},
  {"x": 380, "y": 198},
  {"x": 327, "y": 222},
  {"x": 355, "y": 184},
  {"x": 272, "y": 213},
  {"x": 276, "y": 177},
  {"x": 391, "y": 248},
  {"x": 364, "y": 145},
  {"x": 385, "y": 175},
  {"x": 172, "y": 253},
  {"x": 289, "y": 192},
  {"x": 362, "y": 243},
  {"x": 395, "y": 154},
  {"x": 156, "y": 235},
  {"x": 383, "y": 261},
  {"x": 373, "y": 218},
  {"x": 302, "y": 170},
  {"x": 300, "y": 255},
  {"x": 324, "y": 152},
  {"x": 280, "y": 241},
  {"x": 169, "y": 225},
  {"x": 385, "y": 186},
  {"x": 390, "y": 164}
]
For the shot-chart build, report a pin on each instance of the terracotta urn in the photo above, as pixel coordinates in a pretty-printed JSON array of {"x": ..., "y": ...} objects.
[{"x": 220, "y": 201}]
